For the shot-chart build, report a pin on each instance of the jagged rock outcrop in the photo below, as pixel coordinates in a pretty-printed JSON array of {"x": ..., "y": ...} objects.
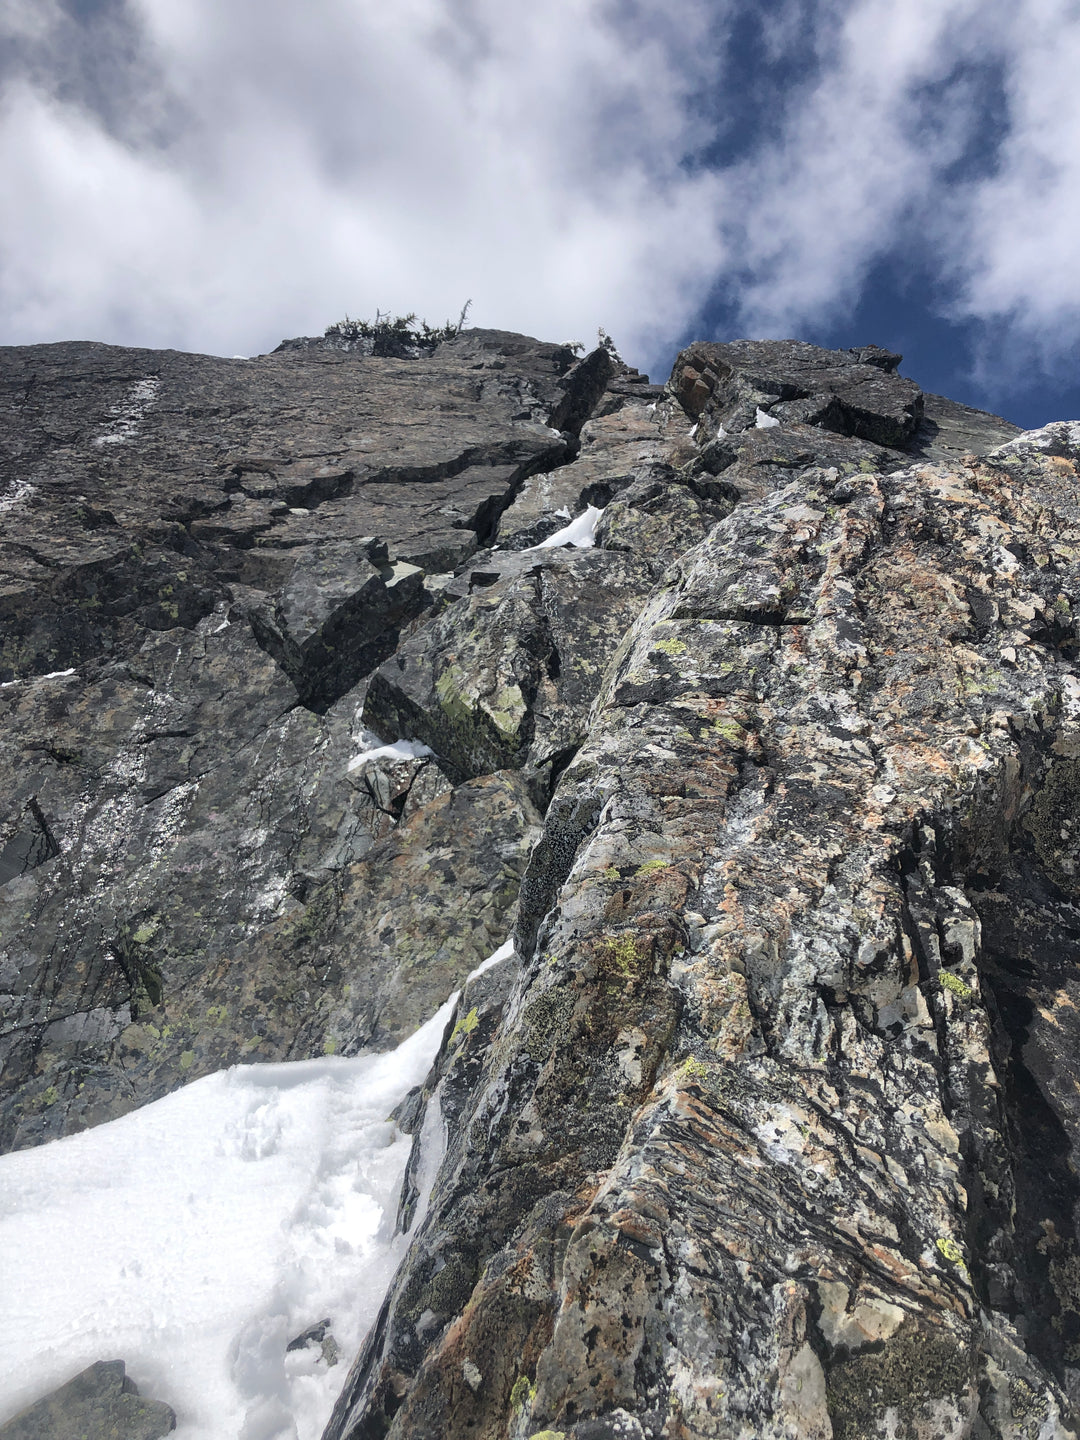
[
  {"x": 203, "y": 559},
  {"x": 770, "y": 1127},
  {"x": 776, "y": 1135},
  {"x": 100, "y": 1403}
]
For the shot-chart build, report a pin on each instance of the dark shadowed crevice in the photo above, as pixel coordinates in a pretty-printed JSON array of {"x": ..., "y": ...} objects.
[
  {"x": 1029, "y": 964},
  {"x": 1016, "y": 876},
  {"x": 31, "y": 845}
]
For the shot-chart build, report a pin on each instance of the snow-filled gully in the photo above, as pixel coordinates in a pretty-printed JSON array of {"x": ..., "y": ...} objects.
[{"x": 195, "y": 1237}]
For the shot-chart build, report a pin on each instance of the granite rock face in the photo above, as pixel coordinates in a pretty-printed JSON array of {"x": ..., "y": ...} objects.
[
  {"x": 774, "y": 1134},
  {"x": 769, "y": 1128}
]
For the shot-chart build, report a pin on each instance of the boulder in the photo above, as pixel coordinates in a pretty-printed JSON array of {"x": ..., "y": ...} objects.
[{"x": 100, "y": 1403}]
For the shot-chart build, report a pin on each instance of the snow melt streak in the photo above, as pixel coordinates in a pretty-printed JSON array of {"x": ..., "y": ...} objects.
[{"x": 194, "y": 1238}]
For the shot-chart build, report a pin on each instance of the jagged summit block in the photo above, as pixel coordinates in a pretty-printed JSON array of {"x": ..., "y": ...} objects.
[
  {"x": 855, "y": 392},
  {"x": 772, "y": 1128}
]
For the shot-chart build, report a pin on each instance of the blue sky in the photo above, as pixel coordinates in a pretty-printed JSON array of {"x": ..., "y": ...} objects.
[{"x": 216, "y": 174}]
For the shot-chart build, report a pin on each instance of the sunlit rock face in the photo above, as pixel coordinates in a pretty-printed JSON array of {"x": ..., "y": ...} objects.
[{"x": 774, "y": 766}]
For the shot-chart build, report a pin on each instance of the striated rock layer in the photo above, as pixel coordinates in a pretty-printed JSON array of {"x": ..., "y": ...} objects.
[{"x": 770, "y": 1127}]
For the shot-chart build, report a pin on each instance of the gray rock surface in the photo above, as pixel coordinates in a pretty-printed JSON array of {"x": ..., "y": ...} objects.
[
  {"x": 100, "y": 1403},
  {"x": 770, "y": 1128},
  {"x": 776, "y": 1134},
  {"x": 201, "y": 561}
]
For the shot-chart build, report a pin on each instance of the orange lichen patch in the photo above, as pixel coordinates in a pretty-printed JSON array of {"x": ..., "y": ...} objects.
[{"x": 636, "y": 1227}]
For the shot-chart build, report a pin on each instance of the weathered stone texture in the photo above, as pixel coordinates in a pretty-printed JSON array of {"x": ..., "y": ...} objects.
[
  {"x": 772, "y": 1128},
  {"x": 775, "y": 1138},
  {"x": 101, "y": 1403},
  {"x": 220, "y": 552}
]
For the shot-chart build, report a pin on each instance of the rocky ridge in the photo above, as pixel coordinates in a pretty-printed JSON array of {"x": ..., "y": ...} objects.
[{"x": 768, "y": 1128}]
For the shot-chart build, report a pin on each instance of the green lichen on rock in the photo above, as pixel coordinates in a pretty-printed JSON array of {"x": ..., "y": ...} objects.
[
  {"x": 956, "y": 986},
  {"x": 522, "y": 1393},
  {"x": 546, "y": 1017},
  {"x": 621, "y": 953},
  {"x": 507, "y": 710},
  {"x": 649, "y": 867},
  {"x": 1026, "y": 1404},
  {"x": 729, "y": 730},
  {"x": 950, "y": 1251},
  {"x": 464, "y": 1027}
]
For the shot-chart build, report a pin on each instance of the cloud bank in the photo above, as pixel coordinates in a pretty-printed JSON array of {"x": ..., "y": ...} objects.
[{"x": 181, "y": 172}]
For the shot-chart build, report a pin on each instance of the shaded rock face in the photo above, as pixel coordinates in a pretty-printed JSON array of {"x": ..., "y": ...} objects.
[
  {"x": 854, "y": 392},
  {"x": 101, "y": 1403},
  {"x": 203, "y": 560},
  {"x": 770, "y": 1128}
]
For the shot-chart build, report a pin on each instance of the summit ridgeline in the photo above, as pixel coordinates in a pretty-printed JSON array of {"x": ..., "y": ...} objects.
[{"x": 749, "y": 704}]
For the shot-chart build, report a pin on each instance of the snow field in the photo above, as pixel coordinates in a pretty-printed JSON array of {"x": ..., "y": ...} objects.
[{"x": 197, "y": 1236}]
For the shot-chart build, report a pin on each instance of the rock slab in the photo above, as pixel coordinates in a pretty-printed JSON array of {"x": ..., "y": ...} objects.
[{"x": 100, "y": 1403}]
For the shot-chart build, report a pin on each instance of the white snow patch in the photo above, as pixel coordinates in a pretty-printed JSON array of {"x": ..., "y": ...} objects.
[
  {"x": 20, "y": 490},
  {"x": 764, "y": 421},
  {"x": 580, "y": 532},
  {"x": 196, "y": 1237},
  {"x": 563, "y": 513},
  {"x": 398, "y": 750},
  {"x": 694, "y": 429},
  {"x": 125, "y": 417},
  {"x": 504, "y": 952},
  {"x": 33, "y": 679}
]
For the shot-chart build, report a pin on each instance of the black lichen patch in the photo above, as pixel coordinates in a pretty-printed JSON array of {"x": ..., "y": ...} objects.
[
  {"x": 907, "y": 1375},
  {"x": 1054, "y": 824}
]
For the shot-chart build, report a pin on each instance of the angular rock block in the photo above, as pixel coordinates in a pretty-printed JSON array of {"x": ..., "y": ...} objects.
[
  {"x": 855, "y": 392},
  {"x": 100, "y": 1403}
]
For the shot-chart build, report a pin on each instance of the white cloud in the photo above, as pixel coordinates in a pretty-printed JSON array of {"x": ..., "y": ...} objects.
[
  {"x": 856, "y": 161},
  {"x": 864, "y": 166},
  {"x": 339, "y": 157},
  {"x": 1025, "y": 220},
  {"x": 241, "y": 172}
]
